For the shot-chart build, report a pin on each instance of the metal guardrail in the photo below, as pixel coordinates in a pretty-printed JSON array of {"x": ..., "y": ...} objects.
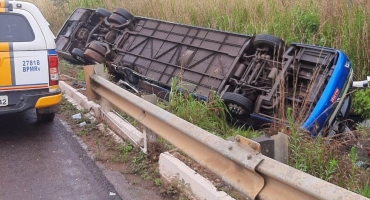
[{"x": 238, "y": 163}]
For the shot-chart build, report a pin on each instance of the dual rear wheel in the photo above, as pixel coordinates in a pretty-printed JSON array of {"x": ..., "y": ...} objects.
[
  {"x": 96, "y": 51},
  {"x": 120, "y": 16}
]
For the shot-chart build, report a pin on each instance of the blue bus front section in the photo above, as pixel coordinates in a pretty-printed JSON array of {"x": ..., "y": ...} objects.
[{"x": 327, "y": 102}]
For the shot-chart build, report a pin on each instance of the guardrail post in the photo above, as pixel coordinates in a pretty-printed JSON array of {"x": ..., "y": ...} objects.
[
  {"x": 104, "y": 103},
  {"x": 281, "y": 147},
  {"x": 88, "y": 71},
  {"x": 267, "y": 146},
  {"x": 150, "y": 138}
]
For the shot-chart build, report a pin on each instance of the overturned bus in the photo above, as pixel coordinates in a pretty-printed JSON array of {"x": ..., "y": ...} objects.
[{"x": 257, "y": 76}]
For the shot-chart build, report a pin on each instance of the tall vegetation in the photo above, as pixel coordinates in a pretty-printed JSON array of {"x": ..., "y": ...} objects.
[{"x": 343, "y": 24}]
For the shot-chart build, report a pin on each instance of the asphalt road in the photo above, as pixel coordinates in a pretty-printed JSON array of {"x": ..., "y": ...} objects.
[{"x": 44, "y": 161}]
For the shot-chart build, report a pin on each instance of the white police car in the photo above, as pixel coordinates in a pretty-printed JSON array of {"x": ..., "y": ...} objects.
[{"x": 28, "y": 62}]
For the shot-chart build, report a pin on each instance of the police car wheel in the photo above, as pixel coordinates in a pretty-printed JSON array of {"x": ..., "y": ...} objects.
[{"x": 45, "y": 117}]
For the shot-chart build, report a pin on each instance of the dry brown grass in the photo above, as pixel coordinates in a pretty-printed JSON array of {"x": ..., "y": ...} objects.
[{"x": 342, "y": 24}]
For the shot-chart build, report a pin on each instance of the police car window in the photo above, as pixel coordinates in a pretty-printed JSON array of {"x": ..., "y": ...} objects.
[{"x": 15, "y": 28}]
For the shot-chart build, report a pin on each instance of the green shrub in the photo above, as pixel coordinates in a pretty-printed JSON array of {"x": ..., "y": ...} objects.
[{"x": 361, "y": 103}]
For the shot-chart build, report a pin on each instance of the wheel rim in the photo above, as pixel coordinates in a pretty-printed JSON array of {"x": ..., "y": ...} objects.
[
  {"x": 236, "y": 109},
  {"x": 237, "y": 104}
]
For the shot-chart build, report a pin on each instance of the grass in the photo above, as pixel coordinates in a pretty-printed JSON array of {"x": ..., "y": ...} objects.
[
  {"x": 65, "y": 66},
  {"x": 328, "y": 162},
  {"x": 365, "y": 191},
  {"x": 80, "y": 75},
  {"x": 361, "y": 103},
  {"x": 342, "y": 24},
  {"x": 209, "y": 115},
  {"x": 66, "y": 107},
  {"x": 123, "y": 153}
]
